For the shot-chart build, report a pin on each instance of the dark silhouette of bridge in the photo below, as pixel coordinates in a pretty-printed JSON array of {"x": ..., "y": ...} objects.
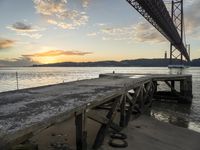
[{"x": 170, "y": 26}]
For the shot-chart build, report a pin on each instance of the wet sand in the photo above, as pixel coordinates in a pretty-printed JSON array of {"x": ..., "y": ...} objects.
[{"x": 143, "y": 133}]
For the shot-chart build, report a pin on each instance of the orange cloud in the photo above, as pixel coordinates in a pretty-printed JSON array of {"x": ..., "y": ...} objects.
[
  {"x": 54, "y": 56},
  {"x": 5, "y": 43},
  {"x": 53, "y": 53}
]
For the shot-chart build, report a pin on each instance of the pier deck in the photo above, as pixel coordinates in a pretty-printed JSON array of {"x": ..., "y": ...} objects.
[{"x": 26, "y": 112}]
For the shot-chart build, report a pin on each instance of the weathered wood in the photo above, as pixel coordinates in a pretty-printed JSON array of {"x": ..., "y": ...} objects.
[
  {"x": 123, "y": 112},
  {"x": 102, "y": 120},
  {"x": 128, "y": 114},
  {"x": 186, "y": 90},
  {"x": 183, "y": 96},
  {"x": 155, "y": 83},
  {"x": 147, "y": 93},
  {"x": 81, "y": 132},
  {"x": 129, "y": 96},
  {"x": 132, "y": 99},
  {"x": 141, "y": 99},
  {"x": 46, "y": 106},
  {"x": 104, "y": 128},
  {"x": 149, "y": 98},
  {"x": 103, "y": 107},
  {"x": 96, "y": 117},
  {"x": 173, "y": 85}
]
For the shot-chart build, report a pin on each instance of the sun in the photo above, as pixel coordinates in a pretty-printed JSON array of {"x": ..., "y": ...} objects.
[{"x": 47, "y": 60}]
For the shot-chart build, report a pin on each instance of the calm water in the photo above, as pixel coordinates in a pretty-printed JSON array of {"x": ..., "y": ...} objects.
[{"x": 181, "y": 115}]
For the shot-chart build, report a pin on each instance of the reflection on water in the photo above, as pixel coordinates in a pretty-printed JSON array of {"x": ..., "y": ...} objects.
[
  {"x": 38, "y": 76},
  {"x": 178, "y": 114},
  {"x": 137, "y": 76}
]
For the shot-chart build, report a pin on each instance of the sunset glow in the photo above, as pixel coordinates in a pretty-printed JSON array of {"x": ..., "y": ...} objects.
[{"x": 50, "y": 31}]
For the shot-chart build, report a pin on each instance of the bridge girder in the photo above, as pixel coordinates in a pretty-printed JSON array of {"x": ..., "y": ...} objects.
[{"x": 156, "y": 13}]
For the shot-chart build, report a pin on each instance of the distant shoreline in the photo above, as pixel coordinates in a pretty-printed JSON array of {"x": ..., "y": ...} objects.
[
  {"x": 156, "y": 62},
  {"x": 124, "y": 63}
]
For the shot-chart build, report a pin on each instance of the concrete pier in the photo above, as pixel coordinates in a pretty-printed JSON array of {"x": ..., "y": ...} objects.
[{"x": 25, "y": 113}]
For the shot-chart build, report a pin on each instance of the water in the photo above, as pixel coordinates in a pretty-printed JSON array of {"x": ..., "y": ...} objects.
[{"x": 178, "y": 114}]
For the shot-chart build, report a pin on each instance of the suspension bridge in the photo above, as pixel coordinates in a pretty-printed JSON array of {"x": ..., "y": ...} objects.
[
  {"x": 111, "y": 101},
  {"x": 170, "y": 26}
]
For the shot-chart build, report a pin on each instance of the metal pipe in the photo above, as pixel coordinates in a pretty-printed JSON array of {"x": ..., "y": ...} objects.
[{"x": 17, "y": 80}]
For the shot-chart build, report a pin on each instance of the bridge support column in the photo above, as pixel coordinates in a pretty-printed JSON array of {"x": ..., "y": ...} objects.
[{"x": 177, "y": 18}]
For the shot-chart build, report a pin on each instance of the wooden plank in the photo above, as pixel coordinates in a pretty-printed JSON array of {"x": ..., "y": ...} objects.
[
  {"x": 129, "y": 113},
  {"x": 150, "y": 94},
  {"x": 81, "y": 132},
  {"x": 96, "y": 117},
  {"x": 104, "y": 128},
  {"x": 129, "y": 96},
  {"x": 103, "y": 120},
  {"x": 147, "y": 93},
  {"x": 122, "y": 121},
  {"x": 141, "y": 100}
]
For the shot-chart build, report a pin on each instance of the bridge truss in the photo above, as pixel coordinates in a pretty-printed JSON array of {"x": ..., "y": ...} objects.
[{"x": 171, "y": 27}]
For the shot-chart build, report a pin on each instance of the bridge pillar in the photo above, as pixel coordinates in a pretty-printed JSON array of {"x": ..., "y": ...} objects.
[{"x": 177, "y": 17}]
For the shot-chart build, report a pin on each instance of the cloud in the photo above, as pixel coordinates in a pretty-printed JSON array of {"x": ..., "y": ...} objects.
[
  {"x": 117, "y": 33},
  {"x": 101, "y": 24},
  {"x": 85, "y": 3},
  {"x": 35, "y": 35},
  {"x": 37, "y": 58},
  {"x": 24, "y": 27},
  {"x": 57, "y": 13},
  {"x": 6, "y": 43},
  {"x": 141, "y": 32},
  {"x": 22, "y": 61},
  {"x": 92, "y": 34},
  {"x": 192, "y": 18},
  {"x": 53, "y": 53},
  {"x": 49, "y": 7},
  {"x": 21, "y": 28},
  {"x": 62, "y": 25},
  {"x": 146, "y": 32}
]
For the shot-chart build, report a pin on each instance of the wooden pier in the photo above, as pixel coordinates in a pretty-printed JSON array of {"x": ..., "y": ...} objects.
[{"x": 25, "y": 113}]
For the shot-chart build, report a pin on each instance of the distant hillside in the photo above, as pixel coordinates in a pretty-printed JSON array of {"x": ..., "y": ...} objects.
[
  {"x": 195, "y": 62},
  {"x": 123, "y": 63}
]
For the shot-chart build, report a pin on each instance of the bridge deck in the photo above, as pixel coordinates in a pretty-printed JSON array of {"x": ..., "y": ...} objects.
[{"x": 29, "y": 111}]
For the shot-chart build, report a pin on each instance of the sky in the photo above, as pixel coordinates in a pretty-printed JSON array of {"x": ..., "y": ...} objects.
[{"x": 51, "y": 31}]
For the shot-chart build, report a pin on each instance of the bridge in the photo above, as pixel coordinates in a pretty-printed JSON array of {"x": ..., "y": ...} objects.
[{"x": 170, "y": 26}]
